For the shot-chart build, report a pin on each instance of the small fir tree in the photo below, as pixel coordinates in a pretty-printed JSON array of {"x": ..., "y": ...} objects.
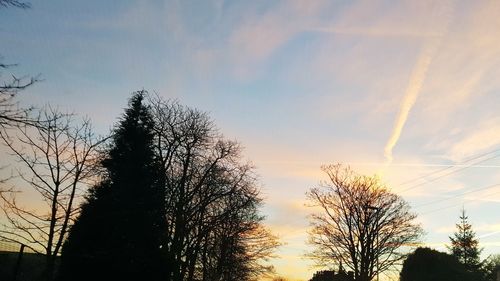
[{"x": 465, "y": 245}]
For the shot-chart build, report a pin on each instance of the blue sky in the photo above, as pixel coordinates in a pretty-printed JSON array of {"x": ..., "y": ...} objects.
[{"x": 299, "y": 83}]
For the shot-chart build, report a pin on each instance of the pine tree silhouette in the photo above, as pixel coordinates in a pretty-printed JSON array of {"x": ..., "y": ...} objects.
[
  {"x": 118, "y": 235},
  {"x": 464, "y": 244}
]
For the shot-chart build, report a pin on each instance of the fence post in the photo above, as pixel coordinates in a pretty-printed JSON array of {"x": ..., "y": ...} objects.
[{"x": 18, "y": 262}]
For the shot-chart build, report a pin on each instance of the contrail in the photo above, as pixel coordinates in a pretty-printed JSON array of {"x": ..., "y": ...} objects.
[
  {"x": 417, "y": 79},
  {"x": 489, "y": 234}
]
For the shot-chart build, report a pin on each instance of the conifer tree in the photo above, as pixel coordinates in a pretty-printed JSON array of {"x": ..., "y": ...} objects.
[
  {"x": 118, "y": 235},
  {"x": 465, "y": 245}
]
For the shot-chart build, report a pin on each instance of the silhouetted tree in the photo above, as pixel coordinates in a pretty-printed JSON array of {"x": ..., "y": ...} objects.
[
  {"x": 235, "y": 249},
  {"x": 361, "y": 225},
  {"x": 323, "y": 275},
  {"x": 426, "y": 264},
  {"x": 330, "y": 275},
  {"x": 214, "y": 231},
  {"x": 119, "y": 233},
  {"x": 491, "y": 267},
  {"x": 55, "y": 162},
  {"x": 464, "y": 244},
  {"x": 465, "y": 247}
]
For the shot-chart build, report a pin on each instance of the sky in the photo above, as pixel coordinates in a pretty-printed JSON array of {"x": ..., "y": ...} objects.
[{"x": 408, "y": 90}]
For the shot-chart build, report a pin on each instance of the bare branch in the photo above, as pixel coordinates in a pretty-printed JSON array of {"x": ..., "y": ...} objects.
[
  {"x": 57, "y": 159},
  {"x": 362, "y": 225},
  {"x": 14, "y": 3}
]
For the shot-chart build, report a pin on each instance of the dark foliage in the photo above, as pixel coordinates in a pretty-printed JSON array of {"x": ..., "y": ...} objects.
[
  {"x": 118, "y": 235},
  {"x": 430, "y": 265},
  {"x": 330, "y": 275},
  {"x": 170, "y": 181}
]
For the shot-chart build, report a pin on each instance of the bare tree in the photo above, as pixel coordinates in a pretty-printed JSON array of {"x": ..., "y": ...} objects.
[
  {"x": 55, "y": 161},
  {"x": 237, "y": 244},
  {"x": 362, "y": 225},
  {"x": 214, "y": 230}
]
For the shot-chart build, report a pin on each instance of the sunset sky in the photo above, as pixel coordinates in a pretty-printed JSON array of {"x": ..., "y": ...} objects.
[{"x": 408, "y": 90}]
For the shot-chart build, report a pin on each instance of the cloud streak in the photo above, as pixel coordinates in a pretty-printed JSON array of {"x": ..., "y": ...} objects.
[{"x": 417, "y": 78}]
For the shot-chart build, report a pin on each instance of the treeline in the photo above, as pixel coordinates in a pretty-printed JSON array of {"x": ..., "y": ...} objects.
[
  {"x": 174, "y": 203},
  {"x": 463, "y": 262},
  {"x": 429, "y": 264},
  {"x": 170, "y": 198},
  {"x": 361, "y": 230}
]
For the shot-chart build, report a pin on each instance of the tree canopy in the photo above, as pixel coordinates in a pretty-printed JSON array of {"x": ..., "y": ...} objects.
[
  {"x": 214, "y": 229},
  {"x": 361, "y": 224},
  {"x": 425, "y": 264},
  {"x": 175, "y": 203}
]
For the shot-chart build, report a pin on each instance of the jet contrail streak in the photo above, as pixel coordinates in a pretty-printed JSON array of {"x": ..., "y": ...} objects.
[
  {"x": 416, "y": 81},
  {"x": 489, "y": 234}
]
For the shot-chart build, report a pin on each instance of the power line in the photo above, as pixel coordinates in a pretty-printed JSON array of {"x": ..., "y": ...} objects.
[
  {"x": 449, "y": 173},
  {"x": 452, "y": 206},
  {"x": 449, "y": 167},
  {"x": 456, "y": 196}
]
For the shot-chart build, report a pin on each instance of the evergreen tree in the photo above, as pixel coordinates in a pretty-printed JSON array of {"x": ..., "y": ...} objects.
[
  {"x": 118, "y": 235},
  {"x": 464, "y": 244}
]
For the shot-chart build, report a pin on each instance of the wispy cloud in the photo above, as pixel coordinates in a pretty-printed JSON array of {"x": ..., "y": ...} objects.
[
  {"x": 484, "y": 137},
  {"x": 261, "y": 34}
]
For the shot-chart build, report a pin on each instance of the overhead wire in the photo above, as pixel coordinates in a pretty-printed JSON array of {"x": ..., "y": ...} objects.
[
  {"x": 456, "y": 196},
  {"x": 468, "y": 163},
  {"x": 451, "y": 172},
  {"x": 449, "y": 167},
  {"x": 456, "y": 205}
]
